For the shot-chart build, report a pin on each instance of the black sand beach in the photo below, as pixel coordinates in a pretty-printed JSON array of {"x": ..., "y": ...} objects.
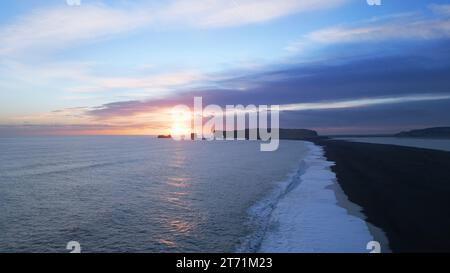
[{"x": 404, "y": 191}]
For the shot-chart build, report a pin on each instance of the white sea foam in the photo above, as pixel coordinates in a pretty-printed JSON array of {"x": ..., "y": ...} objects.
[{"x": 307, "y": 217}]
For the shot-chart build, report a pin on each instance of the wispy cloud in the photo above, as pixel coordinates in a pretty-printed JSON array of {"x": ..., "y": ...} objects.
[
  {"x": 66, "y": 26},
  {"x": 73, "y": 116},
  {"x": 440, "y": 9},
  {"x": 321, "y": 90},
  {"x": 225, "y": 13},
  {"x": 136, "y": 108},
  {"x": 142, "y": 94},
  {"x": 362, "y": 102},
  {"x": 77, "y": 129},
  {"x": 81, "y": 77},
  {"x": 404, "y": 26},
  {"x": 149, "y": 84},
  {"x": 140, "y": 118},
  {"x": 424, "y": 29}
]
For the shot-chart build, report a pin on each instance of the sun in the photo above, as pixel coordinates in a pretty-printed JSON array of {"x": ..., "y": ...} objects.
[
  {"x": 179, "y": 130},
  {"x": 181, "y": 122}
]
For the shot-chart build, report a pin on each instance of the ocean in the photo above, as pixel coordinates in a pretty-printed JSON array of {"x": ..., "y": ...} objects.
[{"x": 141, "y": 194}]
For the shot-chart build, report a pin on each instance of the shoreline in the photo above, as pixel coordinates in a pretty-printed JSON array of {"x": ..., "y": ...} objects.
[
  {"x": 353, "y": 209},
  {"x": 260, "y": 212},
  {"x": 404, "y": 191},
  {"x": 313, "y": 215}
]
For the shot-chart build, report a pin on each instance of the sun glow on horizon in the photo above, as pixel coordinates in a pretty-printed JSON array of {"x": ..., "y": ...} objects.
[{"x": 181, "y": 121}]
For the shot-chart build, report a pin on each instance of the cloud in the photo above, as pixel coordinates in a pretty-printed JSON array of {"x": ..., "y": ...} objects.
[
  {"x": 80, "y": 77},
  {"x": 383, "y": 118},
  {"x": 310, "y": 94},
  {"x": 395, "y": 27},
  {"x": 365, "y": 115},
  {"x": 154, "y": 83},
  {"x": 213, "y": 13},
  {"x": 161, "y": 80},
  {"x": 425, "y": 29},
  {"x": 76, "y": 129},
  {"x": 440, "y": 9},
  {"x": 44, "y": 72},
  {"x": 133, "y": 108},
  {"x": 363, "y": 102},
  {"x": 72, "y": 116},
  {"x": 66, "y": 26},
  {"x": 416, "y": 76}
]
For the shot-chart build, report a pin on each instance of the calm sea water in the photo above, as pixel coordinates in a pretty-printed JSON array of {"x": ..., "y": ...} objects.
[
  {"x": 138, "y": 194},
  {"x": 426, "y": 143}
]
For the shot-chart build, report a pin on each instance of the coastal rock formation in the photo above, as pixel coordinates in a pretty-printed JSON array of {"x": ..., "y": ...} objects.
[
  {"x": 436, "y": 132},
  {"x": 298, "y": 134}
]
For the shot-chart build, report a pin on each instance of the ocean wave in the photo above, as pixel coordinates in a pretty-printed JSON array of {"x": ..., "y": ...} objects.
[
  {"x": 259, "y": 213},
  {"x": 302, "y": 214},
  {"x": 63, "y": 168}
]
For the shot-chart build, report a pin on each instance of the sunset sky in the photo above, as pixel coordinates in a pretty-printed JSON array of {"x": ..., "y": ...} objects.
[{"x": 117, "y": 67}]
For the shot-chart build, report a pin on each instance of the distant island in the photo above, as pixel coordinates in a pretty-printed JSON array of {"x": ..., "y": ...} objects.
[
  {"x": 165, "y": 136},
  {"x": 436, "y": 132}
]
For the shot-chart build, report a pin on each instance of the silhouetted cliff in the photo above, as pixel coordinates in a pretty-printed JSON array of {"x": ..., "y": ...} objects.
[{"x": 436, "y": 132}]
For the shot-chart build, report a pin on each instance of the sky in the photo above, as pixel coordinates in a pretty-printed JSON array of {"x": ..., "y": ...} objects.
[{"x": 117, "y": 67}]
